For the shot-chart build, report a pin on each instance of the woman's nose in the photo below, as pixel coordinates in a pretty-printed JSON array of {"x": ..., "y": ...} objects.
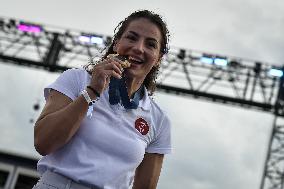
[{"x": 139, "y": 47}]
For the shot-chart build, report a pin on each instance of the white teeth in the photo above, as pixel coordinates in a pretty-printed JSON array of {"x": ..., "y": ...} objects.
[{"x": 137, "y": 60}]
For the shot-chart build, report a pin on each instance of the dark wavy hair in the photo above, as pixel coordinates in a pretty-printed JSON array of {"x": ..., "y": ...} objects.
[{"x": 150, "y": 80}]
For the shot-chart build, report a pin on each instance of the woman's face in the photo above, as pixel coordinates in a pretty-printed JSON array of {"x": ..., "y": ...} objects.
[{"x": 141, "y": 42}]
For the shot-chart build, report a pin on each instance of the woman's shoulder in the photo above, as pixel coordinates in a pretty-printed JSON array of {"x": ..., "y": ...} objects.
[
  {"x": 156, "y": 109},
  {"x": 75, "y": 71},
  {"x": 160, "y": 118}
]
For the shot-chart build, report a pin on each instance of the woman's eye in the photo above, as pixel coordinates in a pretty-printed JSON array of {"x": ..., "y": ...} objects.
[
  {"x": 152, "y": 44},
  {"x": 131, "y": 37}
]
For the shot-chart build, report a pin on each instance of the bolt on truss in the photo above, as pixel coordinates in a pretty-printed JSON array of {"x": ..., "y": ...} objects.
[{"x": 224, "y": 79}]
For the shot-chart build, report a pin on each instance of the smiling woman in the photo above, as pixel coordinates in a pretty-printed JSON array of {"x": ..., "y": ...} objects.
[
  {"x": 99, "y": 127},
  {"x": 122, "y": 30},
  {"x": 141, "y": 43}
]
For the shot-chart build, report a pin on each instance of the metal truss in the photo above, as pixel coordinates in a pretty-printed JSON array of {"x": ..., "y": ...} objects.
[
  {"x": 242, "y": 82},
  {"x": 273, "y": 175},
  {"x": 52, "y": 49}
]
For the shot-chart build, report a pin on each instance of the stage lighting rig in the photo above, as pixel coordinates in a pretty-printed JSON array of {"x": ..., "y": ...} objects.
[
  {"x": 91, "y": 39},
  {"x": 29, "y": 28},
  {"x": 207, "y": 59},
  {"x": 275, "y": 72},
  {"x": 220, "y": 61},
  {"x": 212, "y": 59}
]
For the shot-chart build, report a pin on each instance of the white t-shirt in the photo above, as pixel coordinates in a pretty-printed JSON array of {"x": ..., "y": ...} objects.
[{"x": 108, "y": 147}]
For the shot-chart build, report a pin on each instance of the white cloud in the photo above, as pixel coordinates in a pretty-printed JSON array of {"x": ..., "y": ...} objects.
[
  {"x": 215, "y": 146},
  {"x": 21, "y": 90}
]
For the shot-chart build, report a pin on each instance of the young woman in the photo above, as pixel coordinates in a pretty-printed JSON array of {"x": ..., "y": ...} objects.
[{"x": 99, "y": 127}]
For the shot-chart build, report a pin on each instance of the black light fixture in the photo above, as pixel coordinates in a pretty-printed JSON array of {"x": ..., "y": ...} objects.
[
  {"x": 257, "y": 68},
  {"x": 2, "y": 23},
  {"x": 11, "y": 24},
  {"x": 234, "y": 64},
  {"x": 181, "y": 54}
]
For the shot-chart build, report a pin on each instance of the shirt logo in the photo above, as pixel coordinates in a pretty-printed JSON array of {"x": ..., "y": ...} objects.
[{"x": 142, "y": 126}]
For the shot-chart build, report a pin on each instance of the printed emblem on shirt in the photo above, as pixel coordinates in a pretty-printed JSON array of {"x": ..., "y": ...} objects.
[{"x": 142, "y": 126}]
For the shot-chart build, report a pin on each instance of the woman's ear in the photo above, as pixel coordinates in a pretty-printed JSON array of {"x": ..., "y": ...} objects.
[{"x": 159, "y": 61}]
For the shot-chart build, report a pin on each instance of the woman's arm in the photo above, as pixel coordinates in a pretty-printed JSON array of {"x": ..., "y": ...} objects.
[
  {"x": 58, "y": 122},
  {"x": 148, "y": 172},
  {"x": 61, "y": 117}
]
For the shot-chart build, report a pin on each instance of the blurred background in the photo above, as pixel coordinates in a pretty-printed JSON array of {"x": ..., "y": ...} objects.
[{"x": 221, "y": 137}]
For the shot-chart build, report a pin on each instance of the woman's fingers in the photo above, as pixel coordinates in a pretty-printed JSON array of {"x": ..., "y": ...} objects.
[
  {"x": 115, "y": 61},
  {"x": 113, "y": 66},
  {"x": 103, "y": 71},
  {"x": 113, "y": 73}
]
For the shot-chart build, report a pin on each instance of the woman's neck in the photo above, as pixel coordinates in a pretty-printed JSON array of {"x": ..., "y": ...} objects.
[{"x": 132, "y": 86}]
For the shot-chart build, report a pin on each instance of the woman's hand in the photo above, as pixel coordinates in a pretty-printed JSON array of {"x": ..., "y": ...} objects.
[{"x": 102, "y": 72}]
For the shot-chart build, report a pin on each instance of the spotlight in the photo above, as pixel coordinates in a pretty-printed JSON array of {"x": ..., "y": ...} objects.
[
  {"x": 97, "y": 40},
  {"x": 31, "y": 28},
  {"x": 275, "y": 72},
  {"x": 220, "y": 61},
  {"x": 85, "y": 39},
  {"x": 207, "y": 59},
  {"x": 91, "y": 39}
]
